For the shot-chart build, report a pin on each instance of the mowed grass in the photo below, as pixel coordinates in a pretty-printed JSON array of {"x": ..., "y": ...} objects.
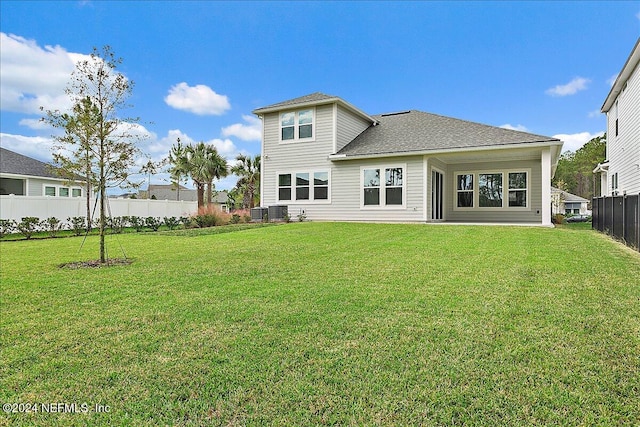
[{"x": 326, "y": 323}]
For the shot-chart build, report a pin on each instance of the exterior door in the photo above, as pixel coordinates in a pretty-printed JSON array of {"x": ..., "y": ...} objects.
[{"x": 437, "y": 193}]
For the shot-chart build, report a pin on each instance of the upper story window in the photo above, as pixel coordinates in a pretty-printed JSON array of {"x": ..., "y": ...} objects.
[{"x": 297, "y": 125}]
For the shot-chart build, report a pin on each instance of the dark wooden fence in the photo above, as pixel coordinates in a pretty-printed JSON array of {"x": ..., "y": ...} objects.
[{"x": 619, "y": 217}]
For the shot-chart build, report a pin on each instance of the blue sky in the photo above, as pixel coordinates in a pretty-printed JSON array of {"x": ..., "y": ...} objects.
[{"x": 200, "y": 68}]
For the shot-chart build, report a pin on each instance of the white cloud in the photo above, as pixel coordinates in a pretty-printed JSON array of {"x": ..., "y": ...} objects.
[
  {"x": 249, "y": 131},
  {"x": 36, "y": 124},
  {"x": 520, "y": 128},
  {"x": 36, "y": 147},
  {"x": 198, "y": 99},
  {"x": 571, "y": 88},
  {"x": 33, "y": 76},
  {"x": 575, "y": 141},
  {"x": 594, "y": 114},
  {"x": 611, "y": 80}
]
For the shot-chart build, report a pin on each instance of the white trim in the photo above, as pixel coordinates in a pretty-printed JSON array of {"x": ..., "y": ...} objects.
[
  {"x": 335, "y": 128},
  {"x": 296, "y": 126},
  {"x": 425, "y": 183},
  {"x": 546, "y": 186},
  {"x": 58, "y": 187},
  {"x": 505, "y": 190},
  {"x": 542, "y": 144},
  {"x": 311, "y": 200},
  {"x": 382, "y": 187}
]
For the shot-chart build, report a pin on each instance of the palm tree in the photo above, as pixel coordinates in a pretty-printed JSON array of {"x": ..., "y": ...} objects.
[
  {"x": 248, "y": 169},
  {"x": 215, "y": 168},
  {"x": 200, "y": 162}
]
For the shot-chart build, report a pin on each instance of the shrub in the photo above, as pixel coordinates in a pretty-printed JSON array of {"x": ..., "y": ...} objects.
[
  {"x": 210, "y": 216},
  {"x": 7, "y": 226},
  {"x": 137, "y": 223},
  {"x": 187, "y": 222},
  {"x": 28, "y": 226},
  {"x": 52, "y": 225},
  {"x": 235, "y": 218},
  {"x": 117, "y": 224},
  {"x": 171, "y": 222},
  {"x": 78, "y": 224},
  {"x": 246, "y": 218},
  {"x": 153, "y": 223},
  {"x": 558, "y": 219},
  {"x": 302, "y": 216},
  {"x": 286, "y": 218}
]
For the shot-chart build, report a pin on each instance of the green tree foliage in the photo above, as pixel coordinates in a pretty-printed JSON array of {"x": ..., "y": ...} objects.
[
  {"x": 201, "y": 162},
  {"x": 98, "y": 141},
  {"x": 248, "y": 171},
  {"x": 575, "y": 170}
]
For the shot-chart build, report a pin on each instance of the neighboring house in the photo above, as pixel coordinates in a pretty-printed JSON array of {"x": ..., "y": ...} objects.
[
  {"x": 24, "y": 176},
  {"x": 327, "y": 158},
  {"x": 170, "y": 192},
  {"x": 568, "y": 204},
  {"x": 620, "y": 173}
]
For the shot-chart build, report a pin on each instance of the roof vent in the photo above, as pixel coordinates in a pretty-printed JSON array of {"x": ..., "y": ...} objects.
[{"x": 395, "y": 114}]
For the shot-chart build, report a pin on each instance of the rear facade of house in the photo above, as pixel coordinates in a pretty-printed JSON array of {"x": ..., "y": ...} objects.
[{"x": 326, "y": 158}]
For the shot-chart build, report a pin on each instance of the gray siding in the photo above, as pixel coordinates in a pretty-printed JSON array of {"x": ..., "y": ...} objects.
[
  {"x": 349, "y": 126},
  {"x": 295, "y": 156},
  {"x": 623, "y": 151}
]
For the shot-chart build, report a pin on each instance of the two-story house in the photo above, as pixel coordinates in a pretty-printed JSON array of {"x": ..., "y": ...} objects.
[
  {"x": 327, "y": 158},
  {"x": 620, "y": 173}
]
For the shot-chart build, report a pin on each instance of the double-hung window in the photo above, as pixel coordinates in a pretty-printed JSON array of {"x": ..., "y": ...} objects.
[
  {"x": 303, "y": 186},
  {"x": 464, "y": 191},
  {"x": 518, "y": 189},
  {"x": 383, "y": 186},
  {"x": 297, "y": 125}
]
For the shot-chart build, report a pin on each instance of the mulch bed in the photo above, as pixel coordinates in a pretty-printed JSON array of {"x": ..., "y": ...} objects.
[{"x": 96, "y": 263}]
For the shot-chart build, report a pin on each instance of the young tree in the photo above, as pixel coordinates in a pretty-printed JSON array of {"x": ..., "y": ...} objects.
[
  {"x": 72, "y": 150},
  {"x": 248, "y": 169},
  {"x": 99, "y": 93}
]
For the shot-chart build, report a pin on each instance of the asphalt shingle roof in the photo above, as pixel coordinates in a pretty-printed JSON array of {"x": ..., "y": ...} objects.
[
  {"x": 416, "y": 131},
  {"x": 314, "y": 97},
  {"x": 12, "y": 162}
]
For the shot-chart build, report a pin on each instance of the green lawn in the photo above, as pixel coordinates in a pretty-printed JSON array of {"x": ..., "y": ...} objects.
[{"x": 326, "y": 323}]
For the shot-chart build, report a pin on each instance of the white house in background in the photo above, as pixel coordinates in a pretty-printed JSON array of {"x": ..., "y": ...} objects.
[
  {"x": 327, "y": 158},
  {"x": 23, "y": 176},
  {"x": 568, "y": 204},
  {"x": 620, "y": 173}
]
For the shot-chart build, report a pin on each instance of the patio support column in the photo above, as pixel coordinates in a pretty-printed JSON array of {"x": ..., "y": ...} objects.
[{"x": 546, "y": 186}]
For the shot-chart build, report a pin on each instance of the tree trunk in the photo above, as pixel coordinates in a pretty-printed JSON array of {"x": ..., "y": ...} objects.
[
  {"x": 103, "y": 257},
  {"x": 200, "y": 190},
  {"x": 251, "y": 190},
  {"x": 209, "y": 192}
]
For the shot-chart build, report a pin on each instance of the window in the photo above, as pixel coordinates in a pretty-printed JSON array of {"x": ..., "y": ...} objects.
[
  {"x": 371, "y": 187},
  {"x": 393, "y": 186},
  {"x": 49, "y": 191},
  {"x": 284, "y": 187},
  {"x": 614, "y": 183},
  {"x": 308, "y": 185},
  {"x": 63, "y": 192},
  {"x": 517, "y": 189},
  {"x": 465, "y": 190},
  {"x": 76, "y": 192},
  {"x": 490, "y": 190},
  {"x": 321, "y": 185},
  {"x": 296, "y": 126},
  {"x": 302, "y": 186},
  {"x": 383, "y": 192}
]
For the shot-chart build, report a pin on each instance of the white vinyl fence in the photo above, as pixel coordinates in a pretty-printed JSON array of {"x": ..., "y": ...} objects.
[{"x": 18, "y": 207}]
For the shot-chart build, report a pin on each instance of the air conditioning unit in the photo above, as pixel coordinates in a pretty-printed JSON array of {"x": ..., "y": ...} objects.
[
  {"x": 278, "y": 212},
  {"x": 257, "y": 214}
]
